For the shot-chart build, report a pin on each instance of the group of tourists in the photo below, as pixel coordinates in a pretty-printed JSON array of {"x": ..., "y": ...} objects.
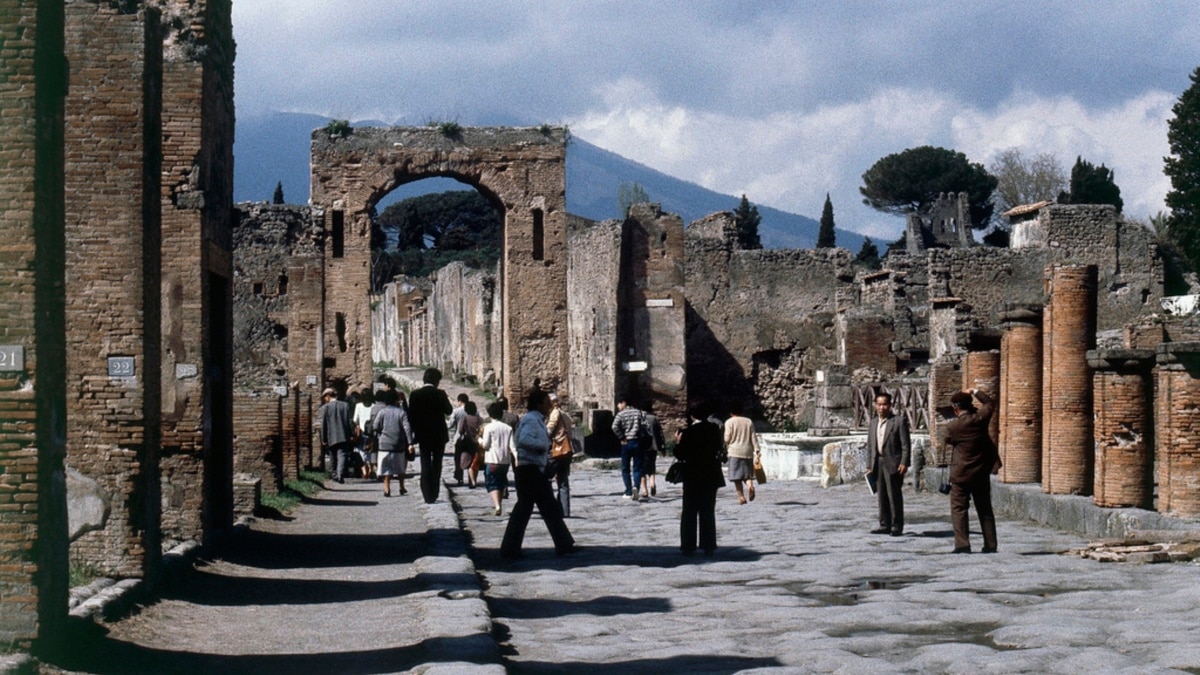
[{"x": 387, "y": 432}]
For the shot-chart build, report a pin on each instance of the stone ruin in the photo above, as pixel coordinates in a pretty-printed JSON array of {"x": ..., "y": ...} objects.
[{"x": 163, "y": 348}]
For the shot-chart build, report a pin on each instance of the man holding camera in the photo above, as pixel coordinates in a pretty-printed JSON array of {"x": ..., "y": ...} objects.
[
  {"x": 890, "y": 451},
  {"x": 974, "y": 458}
]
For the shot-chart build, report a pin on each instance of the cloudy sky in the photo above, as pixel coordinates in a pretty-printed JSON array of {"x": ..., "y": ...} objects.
[{"x": 781, "y": 101}]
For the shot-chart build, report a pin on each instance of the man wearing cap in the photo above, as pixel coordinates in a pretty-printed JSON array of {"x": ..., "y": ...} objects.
[
  {"x": 974, "y": 457},
  {"x": 337, "y": 432}
]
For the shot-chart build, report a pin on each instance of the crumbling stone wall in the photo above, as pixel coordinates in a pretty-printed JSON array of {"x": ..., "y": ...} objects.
[
  {"x": 113, "y": 289},
  {"x": 33, "y": 541},
  {"x": 651, "y": 312},
  {"x": 593, "y": 276},
  {"x": 753, "y": 313},
  {"x": 463, "y": 311}
]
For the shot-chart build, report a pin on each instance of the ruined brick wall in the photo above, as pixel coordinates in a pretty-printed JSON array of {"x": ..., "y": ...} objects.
[
  {"x": 197, "y": 199},
  {"x": 651, "y": 311},
  {"x": 521, "y": 171},
  {"x": 258, "y": 427},
  {"x": 113, "y": 202},
  {"x": 985, "y": 277},
  {"x": 1123, "y": 431},
  {"x": 865, "y": 340},
  {"x": 1069, "y": 333},
  {"x": 33, "y": 518},
  {"x": 1177, "y": 428},
  {"x": 271, "y": 241},
  {"x": 593, "y": 275},
  {"x": 752, "y": 314},
  {"x": 981, "y": 370}
]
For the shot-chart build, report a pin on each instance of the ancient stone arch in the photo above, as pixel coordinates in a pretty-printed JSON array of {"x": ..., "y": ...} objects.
[{"x": 521, "y": 170}]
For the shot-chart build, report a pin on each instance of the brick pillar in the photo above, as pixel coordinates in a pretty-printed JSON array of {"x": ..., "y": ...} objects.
[
  {"x": 113, "y": 289},
  {"x": 1020, "y": 415},
  {"x": 1122, "y": 396},
  {"x": 197, "y": 207},
  {"x": 945, "y": 379},
  {"x": 981, "y": 370},
  {"x": 33, "y": 509},
  {"x": 1070, "y": 331},
  {"x": 1177, "y": 427}
]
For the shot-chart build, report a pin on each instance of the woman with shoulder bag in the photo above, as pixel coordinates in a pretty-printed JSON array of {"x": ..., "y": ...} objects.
[{"x": 559, "y": 425}]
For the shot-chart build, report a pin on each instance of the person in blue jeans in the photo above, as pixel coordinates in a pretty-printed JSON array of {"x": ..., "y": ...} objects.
[{"x": 630, "y": 427}]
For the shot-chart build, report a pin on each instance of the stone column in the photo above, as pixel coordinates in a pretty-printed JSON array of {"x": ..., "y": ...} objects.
[
  {"x": 1121, "y": 405},
  {"x": 1020, "y": 415},
  {"x": 1177, "y": 427},
  {"x": 981, "y": 370},
  {"x": 1070, "y": 331}
]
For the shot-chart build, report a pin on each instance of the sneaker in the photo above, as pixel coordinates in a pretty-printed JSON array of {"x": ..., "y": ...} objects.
[{"x": 626, "y": 496}]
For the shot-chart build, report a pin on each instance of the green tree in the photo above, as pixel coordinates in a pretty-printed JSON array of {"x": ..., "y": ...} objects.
[
  {"x": 827, "y": 235},
  {"x": 1022, "y": 180},
  {"x": 278, "y": 197},
  {"x": 868, "y": 255},
  {"x": 1183, "y": 168},
  {"x": 1091, "y": 184},
  {"x": 629, "y": 194},
  {"x": 747, "y": 219},
  {"x": 432, "y": 231},
  {"x": 913, "y": 179}
]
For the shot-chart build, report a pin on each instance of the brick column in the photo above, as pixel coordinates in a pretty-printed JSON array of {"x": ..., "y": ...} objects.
[
  {"x": 1020, "y": 415},
  {"x": 981, "y": 370},
  {"x": 113, "y": 289},
  {"x": 1070, "y": 331},
  {"x": 1177, "y": 427},
  {"x": 33, "y": 509},
  {"x": 1122, "y": 395}
]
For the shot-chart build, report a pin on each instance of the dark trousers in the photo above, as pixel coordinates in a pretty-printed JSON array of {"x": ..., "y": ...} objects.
[
  {"x": 560, "y": 471},
  {"x": 631, "y": 466},
  {"x": 961, "y": 494},
  {"x": 338, "y": 454},
  {"x": 431, "y": 470},
  {"x": 463, "y": 454},
  {"x": 533, "y": 488},
  {"x": 699, "y": 504},
  {"x": 888, "y": 488}
]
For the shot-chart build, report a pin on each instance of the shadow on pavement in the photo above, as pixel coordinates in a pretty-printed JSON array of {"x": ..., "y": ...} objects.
[
  {"x": 92, "y": 651},
  {"x": 674, "y": 664},
  {"x": 287, "y": 551},
  {"x": 546, "y": 608},
  {"x": 639, "y": 556},
  {"x": 204, "y": 588}
]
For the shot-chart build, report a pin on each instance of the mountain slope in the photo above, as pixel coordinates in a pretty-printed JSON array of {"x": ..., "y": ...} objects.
[{"x": 275, "y": 148}]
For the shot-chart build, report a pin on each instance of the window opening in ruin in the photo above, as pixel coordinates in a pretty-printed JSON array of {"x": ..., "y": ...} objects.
[
  {"x": 340, "y": 327},
  {"x": 283, "y": 281},
  {"x": 339, "y": 234},
  {"x": 539, "y": 235},
  {"x": 280, "y": 331},
  {"x": 258, "y": 288}
]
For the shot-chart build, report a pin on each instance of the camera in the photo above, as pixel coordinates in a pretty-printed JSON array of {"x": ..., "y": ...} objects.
[{"x": 944, "y": 488}]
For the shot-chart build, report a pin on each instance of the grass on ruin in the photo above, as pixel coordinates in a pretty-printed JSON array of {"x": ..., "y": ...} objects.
[
  {"x": 81, "y": 574},
  {"x": 294, "y": 491}
]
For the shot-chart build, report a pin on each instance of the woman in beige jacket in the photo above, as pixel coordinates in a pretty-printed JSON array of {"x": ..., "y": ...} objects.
[{"x": 741, "y": 443}]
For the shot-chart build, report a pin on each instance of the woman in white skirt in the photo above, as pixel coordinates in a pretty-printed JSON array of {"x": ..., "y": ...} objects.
[{"x": 395, "y": 437}]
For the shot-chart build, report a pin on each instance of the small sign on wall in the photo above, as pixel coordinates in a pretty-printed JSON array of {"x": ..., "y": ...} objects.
[
  {"x": 311, "y": 380},
  {"x": 120, "y": 366},
  {"x": 12, "y": 358},
  {"x": 281, "y": 391},
  {"x": 185, "y": 370}
]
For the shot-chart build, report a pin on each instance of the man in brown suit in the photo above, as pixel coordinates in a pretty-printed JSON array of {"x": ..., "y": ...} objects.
[{"x": 974, "y": 457}]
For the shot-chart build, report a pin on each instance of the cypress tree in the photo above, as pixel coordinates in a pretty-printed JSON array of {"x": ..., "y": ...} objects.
[{"x": 826, "y": 236}]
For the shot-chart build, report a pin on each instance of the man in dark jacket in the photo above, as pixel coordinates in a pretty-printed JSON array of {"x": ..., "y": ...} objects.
[
  {"x": 428, "y": 407},
  {"x": 698, "y": 447},
  {"x": 337, "y": 432},
  {"x": 974, "y": 458},
  {"x": 889, "y": 452}
]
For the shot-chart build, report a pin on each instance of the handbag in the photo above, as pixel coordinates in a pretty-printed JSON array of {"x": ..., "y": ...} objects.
[
  {"x": 760, "y": 475},
  {"x": 561, "y": 449},
  {"x": 675, "y": 472}
]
